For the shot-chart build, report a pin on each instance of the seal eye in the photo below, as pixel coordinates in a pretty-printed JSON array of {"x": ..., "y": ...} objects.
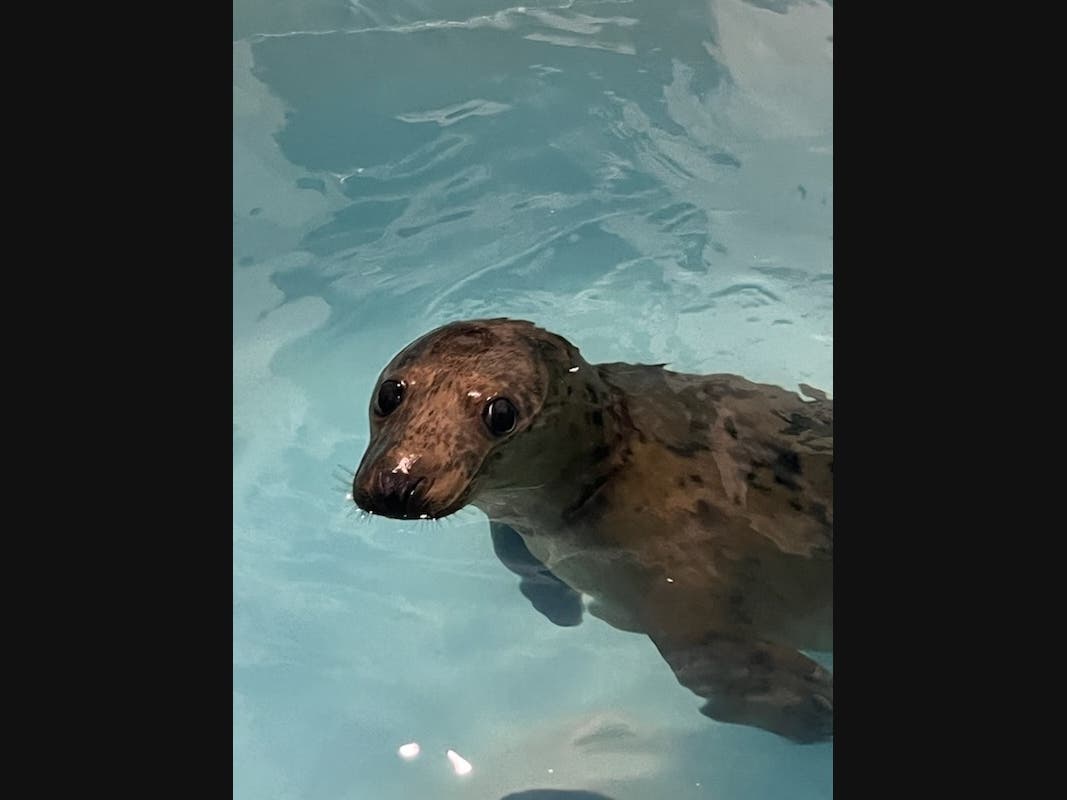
[
  {"x": 389, "y": 396},
  {"x": 500, "y": 416}
]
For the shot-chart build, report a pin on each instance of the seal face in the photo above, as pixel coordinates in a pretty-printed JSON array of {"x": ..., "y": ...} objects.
[
  {"x": 696, "y": 509},
  {"x": 467, "y": 408}
]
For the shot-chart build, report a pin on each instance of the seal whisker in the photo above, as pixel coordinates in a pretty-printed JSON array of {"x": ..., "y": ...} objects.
[
  {"x": 465, "y": 515},
  {"x": 362, "y": 517}
]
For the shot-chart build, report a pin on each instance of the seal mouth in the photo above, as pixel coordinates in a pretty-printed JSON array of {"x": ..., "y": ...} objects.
[
  {"x": 401, "y": 498},
  {"x": 393, "y": 494}
]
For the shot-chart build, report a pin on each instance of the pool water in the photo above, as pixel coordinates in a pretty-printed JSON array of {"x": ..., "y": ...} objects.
[{"x": 651, "y": 179}]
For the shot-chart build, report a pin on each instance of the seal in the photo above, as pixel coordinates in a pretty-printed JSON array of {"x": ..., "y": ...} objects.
[{"x": 694, "y": 509}]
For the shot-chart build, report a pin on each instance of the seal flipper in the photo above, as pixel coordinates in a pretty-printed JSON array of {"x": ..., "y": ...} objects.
[
  {"x": 755, "y": 683},
  {"x": 548, "y": 594}
]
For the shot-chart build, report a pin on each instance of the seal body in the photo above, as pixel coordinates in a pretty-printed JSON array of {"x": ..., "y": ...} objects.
[{"x": 695, "y": 509}]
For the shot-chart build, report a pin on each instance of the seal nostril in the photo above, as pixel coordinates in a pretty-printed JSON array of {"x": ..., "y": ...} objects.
[
  {"x": 409, "y": 495},
  {"x": 399, "y": 494}
]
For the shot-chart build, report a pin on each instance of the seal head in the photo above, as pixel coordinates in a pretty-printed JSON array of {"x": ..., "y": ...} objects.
[{"x": 471, "y": 408}]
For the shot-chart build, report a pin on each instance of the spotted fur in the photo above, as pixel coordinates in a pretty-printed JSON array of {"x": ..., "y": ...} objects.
[{"x": 697, "y": 509}]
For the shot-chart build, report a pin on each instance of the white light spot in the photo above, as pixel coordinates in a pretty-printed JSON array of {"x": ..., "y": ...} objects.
[
  {"x": 670, "y": 580},
  {"x": 408, "y": 751},
  {"x": 405, "y": 464},
  {"x": 461, "y": 765},
  {"x": 359, "y": 169},
  {"x": 474, "y": 394},
  {"x": 348, "y": 496},
  {"x": 573, "y": 369},
  {"x": 550, "y": 770},
  {"x": 424, "y": 516}
]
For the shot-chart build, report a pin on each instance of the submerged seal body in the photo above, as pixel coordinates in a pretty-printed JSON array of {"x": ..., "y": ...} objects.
[{"x": 695, "y": 509}]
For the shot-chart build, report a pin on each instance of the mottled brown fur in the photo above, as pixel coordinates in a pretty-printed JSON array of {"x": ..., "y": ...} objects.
[{"x": 695, "y": 509}]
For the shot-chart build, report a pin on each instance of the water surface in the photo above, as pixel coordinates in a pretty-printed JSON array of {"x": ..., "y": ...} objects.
[{"x": 652, "y": 180}]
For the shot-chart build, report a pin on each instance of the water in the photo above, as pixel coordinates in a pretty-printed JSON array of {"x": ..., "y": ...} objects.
[{"x": 651, "y": 179}]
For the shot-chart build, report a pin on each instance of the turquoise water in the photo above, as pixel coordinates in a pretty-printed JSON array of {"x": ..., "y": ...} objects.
[{"x": 652, "y": 180}]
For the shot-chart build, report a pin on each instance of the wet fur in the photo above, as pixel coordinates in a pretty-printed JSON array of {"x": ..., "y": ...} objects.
[{"x": 619, "y": 477}]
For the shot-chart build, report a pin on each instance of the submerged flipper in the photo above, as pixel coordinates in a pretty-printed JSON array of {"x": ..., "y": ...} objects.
[
  {"x": 755, "y": 683},
  {"x": 548, "y": 594}
]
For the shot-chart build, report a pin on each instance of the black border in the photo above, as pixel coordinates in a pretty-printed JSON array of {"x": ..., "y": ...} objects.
[{"x": 141, "y": 629}]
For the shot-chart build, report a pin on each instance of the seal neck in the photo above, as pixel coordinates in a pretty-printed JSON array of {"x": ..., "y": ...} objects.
[{"x": 592, "y": 447}]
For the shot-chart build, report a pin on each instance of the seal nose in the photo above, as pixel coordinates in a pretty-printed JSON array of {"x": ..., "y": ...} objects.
[{"x": 399, "y": 496}]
